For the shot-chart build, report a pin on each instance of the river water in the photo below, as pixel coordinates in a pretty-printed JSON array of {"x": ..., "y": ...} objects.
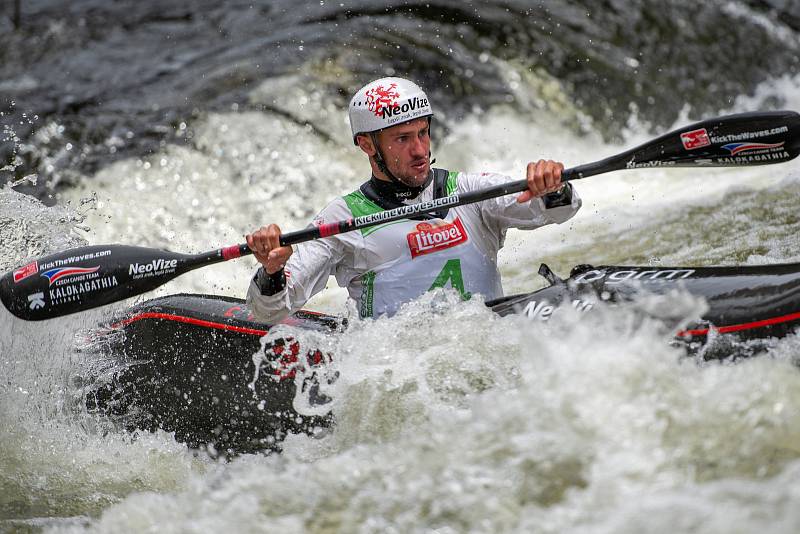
[{"x": 186, "y": 126}]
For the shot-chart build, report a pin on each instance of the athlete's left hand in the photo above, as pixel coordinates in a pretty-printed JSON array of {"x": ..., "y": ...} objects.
[{"x": 544, "y": 176}]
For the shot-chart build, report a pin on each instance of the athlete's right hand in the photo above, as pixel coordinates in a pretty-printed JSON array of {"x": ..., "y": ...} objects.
[{"x": 266, "y": 247}]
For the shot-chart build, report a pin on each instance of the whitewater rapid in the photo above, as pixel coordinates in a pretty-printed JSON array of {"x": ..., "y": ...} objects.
[
  {"x": 449, "y": 418},
  {"x": 245, "y": 170}
]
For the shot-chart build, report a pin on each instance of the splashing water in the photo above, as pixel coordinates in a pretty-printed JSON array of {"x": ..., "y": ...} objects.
[
  {"x": 448, "y": 417},
  {"x": 507, "y": 425}
]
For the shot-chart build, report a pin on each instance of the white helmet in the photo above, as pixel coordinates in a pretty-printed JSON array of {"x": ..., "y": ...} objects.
[{"x": 387, "y": 102}]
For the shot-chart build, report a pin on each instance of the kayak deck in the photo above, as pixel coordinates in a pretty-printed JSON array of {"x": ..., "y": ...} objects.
[{"x": 185, "y": 363}]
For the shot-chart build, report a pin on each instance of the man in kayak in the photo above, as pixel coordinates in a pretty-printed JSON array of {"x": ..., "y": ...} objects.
[{"x": 385, "y": 266}]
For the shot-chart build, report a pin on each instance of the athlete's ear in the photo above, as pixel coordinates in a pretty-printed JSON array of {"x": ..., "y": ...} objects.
[{"x": 365, "y": 144}]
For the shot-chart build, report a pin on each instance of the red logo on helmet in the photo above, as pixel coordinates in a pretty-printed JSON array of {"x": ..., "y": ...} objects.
[{"x": 380, "y": 97}]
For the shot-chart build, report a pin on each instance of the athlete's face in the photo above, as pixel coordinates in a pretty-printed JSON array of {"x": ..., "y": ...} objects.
[{"x": 406, "y": 149}]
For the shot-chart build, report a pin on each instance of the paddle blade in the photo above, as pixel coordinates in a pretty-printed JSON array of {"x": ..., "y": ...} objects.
[
  {"x": 733, "y": 140},
  {"x": 730, "y": 141},
  {"x": 83, "y": 278}
]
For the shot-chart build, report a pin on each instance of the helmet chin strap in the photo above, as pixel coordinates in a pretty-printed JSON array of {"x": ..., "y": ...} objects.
[{"x": 381, "y": 162}]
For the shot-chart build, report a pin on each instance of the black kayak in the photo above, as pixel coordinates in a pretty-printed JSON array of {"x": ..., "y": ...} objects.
[{"x": 185, "y": 363}]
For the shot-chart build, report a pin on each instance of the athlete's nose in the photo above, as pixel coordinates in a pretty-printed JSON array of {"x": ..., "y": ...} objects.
[{"x": 419, "y": 148}]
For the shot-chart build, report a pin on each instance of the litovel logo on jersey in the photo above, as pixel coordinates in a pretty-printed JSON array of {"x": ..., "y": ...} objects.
[{"x": 435, "y": 237}]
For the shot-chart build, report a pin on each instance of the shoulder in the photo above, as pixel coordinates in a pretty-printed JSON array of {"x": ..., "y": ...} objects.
[
  {"x": 458, "y": 181},
  {"x": 357, "y": 204},
  {"x": 335, "y": 210},
  {"x": 354, "y": 204}
]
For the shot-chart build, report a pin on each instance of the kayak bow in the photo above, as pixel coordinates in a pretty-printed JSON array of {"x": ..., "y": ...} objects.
[{"x": 186, "y": 361}]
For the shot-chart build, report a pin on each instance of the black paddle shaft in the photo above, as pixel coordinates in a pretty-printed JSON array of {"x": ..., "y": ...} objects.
[
  {"x": 734, "y": 140},
  {"x": 87, "y": 277}
]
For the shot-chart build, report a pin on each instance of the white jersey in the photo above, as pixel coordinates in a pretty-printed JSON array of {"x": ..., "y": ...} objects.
[{"x": 385, "y": 266}]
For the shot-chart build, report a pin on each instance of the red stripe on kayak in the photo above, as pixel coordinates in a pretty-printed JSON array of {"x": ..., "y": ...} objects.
[
  {"x": 257, "y": 332},
  {"x": 743, "y": 326},
  {"x": 189, "y": 320}
]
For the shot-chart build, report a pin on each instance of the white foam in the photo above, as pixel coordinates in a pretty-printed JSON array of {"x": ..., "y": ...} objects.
[
  {"x": 480, "y": 423},
  {"x": 449, "y": 418}
]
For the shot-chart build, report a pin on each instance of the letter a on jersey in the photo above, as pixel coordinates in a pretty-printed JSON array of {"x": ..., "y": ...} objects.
[{"x": 451, "y": 272}]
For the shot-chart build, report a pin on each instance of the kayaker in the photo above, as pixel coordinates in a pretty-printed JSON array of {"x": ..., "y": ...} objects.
[{"x": 386, "y": 266}]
